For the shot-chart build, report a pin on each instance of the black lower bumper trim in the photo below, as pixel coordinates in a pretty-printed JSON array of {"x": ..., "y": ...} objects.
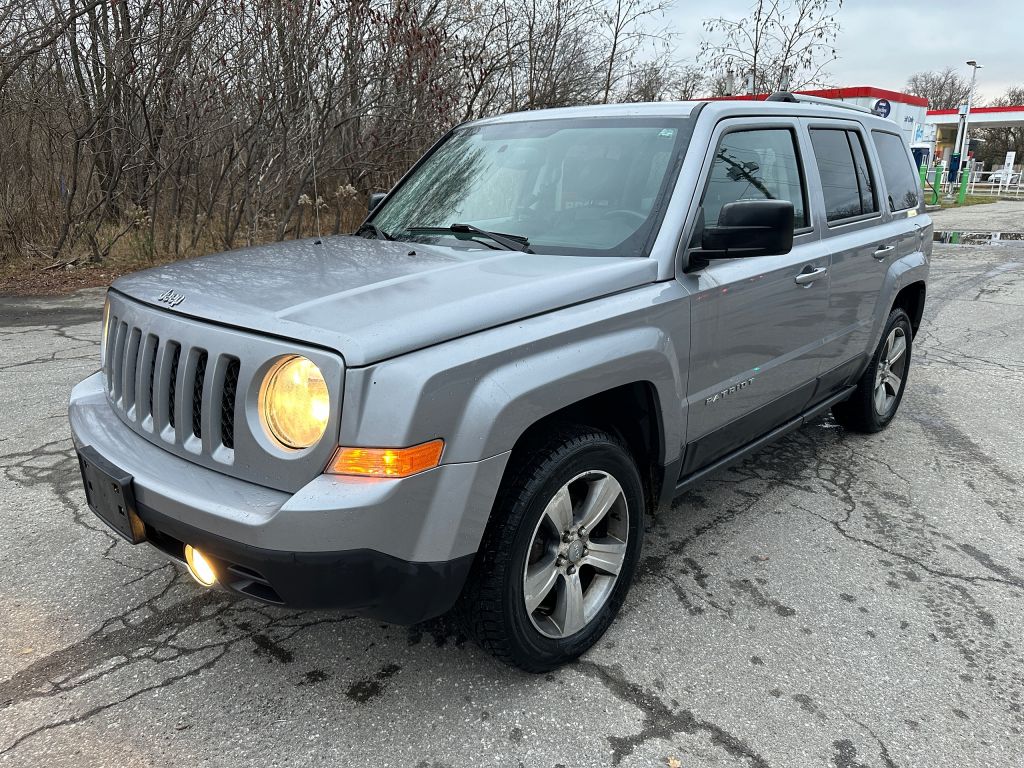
[{"x": 359, "y": 581}]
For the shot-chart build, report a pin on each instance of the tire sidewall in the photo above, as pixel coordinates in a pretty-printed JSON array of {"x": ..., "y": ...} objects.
[{"x": 603, "y": 455}]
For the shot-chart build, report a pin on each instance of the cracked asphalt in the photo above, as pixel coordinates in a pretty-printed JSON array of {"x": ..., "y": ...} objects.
[{"x": 836, "y": 600}]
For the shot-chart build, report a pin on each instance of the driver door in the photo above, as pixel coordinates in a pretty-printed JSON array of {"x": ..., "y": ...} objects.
[{"x": 756, "y": 323}]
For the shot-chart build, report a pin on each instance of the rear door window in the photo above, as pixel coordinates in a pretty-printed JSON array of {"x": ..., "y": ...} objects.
[
  {"x": 846, "y": 179},
  {"x": 759, "y": 164},
  {"x": 901, "y": 182}
]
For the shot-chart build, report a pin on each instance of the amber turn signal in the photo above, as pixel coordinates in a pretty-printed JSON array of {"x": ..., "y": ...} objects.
[{"x": 386, "y": 462}]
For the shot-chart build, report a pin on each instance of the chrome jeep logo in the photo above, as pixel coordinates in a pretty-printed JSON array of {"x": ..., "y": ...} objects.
[
  {"x": 171, "y": 298},
  {"x": 729, "y": 391}
]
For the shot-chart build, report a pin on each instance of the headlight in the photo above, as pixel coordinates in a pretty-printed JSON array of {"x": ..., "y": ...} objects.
[{"x": 294, "y": 402}]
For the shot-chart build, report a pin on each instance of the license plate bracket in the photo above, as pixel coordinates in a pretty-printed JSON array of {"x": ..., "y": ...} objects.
[{"x": 110, "y": 495}]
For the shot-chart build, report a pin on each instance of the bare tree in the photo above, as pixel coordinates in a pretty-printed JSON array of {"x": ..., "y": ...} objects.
[
  {"x": 626, "y": 34},
  {"x": 660, "y": 79},
  {"x": 998, "y": 141},
  {"x": 28, "y": 28},
  {"x": 155, "y": 129},
  {"x": 779, "y": 45},
  {"x": 944, "y": 89}
]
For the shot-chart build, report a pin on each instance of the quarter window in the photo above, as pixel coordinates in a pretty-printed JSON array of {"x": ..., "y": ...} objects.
[
  {"x": 755, "y": 165},
  {"x": 846, "y": 180},
  {"x": 900, "y": 180}
]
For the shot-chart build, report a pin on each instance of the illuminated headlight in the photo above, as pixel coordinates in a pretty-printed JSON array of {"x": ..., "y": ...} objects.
[{"x": 294, "y": 402}]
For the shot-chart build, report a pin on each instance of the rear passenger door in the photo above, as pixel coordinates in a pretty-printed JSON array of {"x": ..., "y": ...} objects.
[
  {"x": 844, "y": 179},
  {"x": 755, "y": 328}
]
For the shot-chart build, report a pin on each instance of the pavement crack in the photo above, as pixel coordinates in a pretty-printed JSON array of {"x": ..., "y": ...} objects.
[
  {"x": 90, "y": 713},
  {"x": 930, "y": 569},
  {"x": 660, "y": 721},
  {"x": 156, "y": 639},
  {"x": 883, "y": 750}
]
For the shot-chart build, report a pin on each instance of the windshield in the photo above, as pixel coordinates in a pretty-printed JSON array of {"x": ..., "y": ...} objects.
[{"x": 592, "y": 186}]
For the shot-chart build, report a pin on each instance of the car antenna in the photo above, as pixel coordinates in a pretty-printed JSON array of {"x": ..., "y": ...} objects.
[{"x": 312, "y": 160}]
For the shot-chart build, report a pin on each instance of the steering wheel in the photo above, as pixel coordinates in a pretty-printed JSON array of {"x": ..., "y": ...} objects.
[{"x": 638, "y": 218}]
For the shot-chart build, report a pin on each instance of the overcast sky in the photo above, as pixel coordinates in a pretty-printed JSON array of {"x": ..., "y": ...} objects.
[{"x": 883, "y": 42}]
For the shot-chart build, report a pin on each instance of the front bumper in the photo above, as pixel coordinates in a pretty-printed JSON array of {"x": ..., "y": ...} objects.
[{"x": 398, "y": 550}]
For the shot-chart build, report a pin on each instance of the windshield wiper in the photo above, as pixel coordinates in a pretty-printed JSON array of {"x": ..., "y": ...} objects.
[
  {"x": 374, "y": 230},
  {"x": 508, "y": 242}
]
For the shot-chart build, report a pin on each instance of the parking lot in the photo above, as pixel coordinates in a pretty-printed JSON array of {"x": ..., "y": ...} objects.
[{"x": 835, "y": 600}]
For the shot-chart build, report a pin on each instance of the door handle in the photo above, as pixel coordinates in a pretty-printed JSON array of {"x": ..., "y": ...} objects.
[
  {"x": 882, "y": 251},
  {"x": 806, "y": 278}
]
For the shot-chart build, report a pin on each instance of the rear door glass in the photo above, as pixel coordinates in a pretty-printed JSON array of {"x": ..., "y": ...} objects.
[
  {"x": 846, "y": 180},
  {"x": 901, "y": 182}
]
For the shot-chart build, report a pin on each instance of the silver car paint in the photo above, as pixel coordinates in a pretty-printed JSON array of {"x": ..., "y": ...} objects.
[
  {"x": 371, "y": 299},
  {"x": 254, "y": 457},
  {"x": 773, "y": 323},
  {"x": 481, "y": 392},
  {"x": 432, "y": 517},
  {"x": 476, "y": 347}
]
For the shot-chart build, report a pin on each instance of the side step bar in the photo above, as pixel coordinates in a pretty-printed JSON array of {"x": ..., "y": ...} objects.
[{"x": 795, "y": 423}]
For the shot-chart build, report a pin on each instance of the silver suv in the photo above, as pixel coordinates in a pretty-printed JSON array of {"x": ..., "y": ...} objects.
[{"x": 555, "y": 321}]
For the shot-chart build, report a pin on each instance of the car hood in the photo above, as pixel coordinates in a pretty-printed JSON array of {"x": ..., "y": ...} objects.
[{"x": 374, "y": 299}]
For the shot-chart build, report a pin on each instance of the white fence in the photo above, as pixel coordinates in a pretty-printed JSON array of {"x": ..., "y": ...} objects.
[
  {"x": 1014, "y": 189},
  {"x": 1009, "y": 186}
]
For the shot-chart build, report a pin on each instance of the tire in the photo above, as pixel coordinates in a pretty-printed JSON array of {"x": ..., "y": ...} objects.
[
  {"x": 880, "y": 389},
  {"x": 569, "y": 579}
]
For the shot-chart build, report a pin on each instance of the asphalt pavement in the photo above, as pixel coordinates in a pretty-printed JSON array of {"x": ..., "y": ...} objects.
[{"x": 836, "y": 600}]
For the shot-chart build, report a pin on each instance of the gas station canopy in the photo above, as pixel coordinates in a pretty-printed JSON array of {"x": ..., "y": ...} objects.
[{"x": 981, "y": 117}]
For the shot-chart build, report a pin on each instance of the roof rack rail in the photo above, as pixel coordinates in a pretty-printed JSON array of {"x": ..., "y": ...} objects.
[{"x": 797, "y": 98}]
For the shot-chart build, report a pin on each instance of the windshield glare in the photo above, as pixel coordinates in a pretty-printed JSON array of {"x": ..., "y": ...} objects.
[{"x": 585, "y": 186}]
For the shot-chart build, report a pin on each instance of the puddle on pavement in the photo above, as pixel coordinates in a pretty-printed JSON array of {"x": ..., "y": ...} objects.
[{"x": 966, "y": 237}]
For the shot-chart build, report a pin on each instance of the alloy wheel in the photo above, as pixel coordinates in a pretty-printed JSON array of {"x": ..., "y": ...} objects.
[
  {"x": 892, "y": 365},
  {"x": 576, "y": 553}
]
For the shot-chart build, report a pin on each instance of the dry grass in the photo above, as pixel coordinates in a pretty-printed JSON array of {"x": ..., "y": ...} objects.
[
  {"x": 38, "y": 276},
  {"x": 970, "y": 200},
  {"x": 32, "y": 277}
]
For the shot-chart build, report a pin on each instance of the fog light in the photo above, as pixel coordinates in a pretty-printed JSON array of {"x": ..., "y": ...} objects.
[{"x": 200, "y": 568}]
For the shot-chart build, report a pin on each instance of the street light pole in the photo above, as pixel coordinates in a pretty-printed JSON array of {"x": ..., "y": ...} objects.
[
  {"x": 965, "y": 146},
  {"x": 958, "y": 162}
]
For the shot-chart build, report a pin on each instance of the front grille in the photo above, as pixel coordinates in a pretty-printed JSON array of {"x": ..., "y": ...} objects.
[
  {"x": 191, "y": 387},
  {"x": 197, "y": 395},
  {"x": 150, "y": 355},
  {"x": 227, "y": 404},
  {"x": 144, "y": 371},
  {"x": 172, "y": 406}
]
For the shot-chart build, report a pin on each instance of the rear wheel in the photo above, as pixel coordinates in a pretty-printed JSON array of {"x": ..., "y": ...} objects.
[
  {"x": 880, "y": 389},
  {"x": 559, "y": 554}
]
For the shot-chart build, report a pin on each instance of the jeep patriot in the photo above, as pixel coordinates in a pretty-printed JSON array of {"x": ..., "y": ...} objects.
[{"x": 555, "y": 321}]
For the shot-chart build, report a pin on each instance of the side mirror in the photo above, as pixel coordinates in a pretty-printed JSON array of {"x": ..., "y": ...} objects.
[
  {"x": 749, "y": 228},
  {"x": 375, "y": 199}
]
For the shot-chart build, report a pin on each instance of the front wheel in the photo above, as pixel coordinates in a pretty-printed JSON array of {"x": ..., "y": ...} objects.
[
  {"x": 880, "y": 389},
  {"x": 559, "y": 553}
]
